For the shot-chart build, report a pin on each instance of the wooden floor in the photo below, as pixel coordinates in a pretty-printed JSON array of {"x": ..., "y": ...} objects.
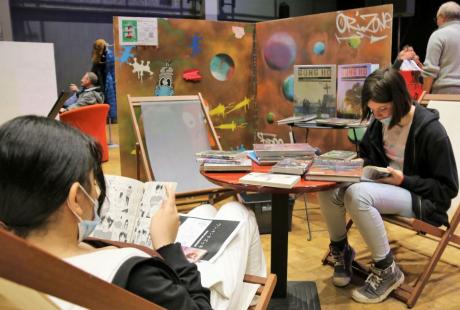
[{"x": 411, "y": 251}]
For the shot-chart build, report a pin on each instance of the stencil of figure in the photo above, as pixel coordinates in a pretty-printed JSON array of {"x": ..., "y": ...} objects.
[
  {"x": 165, "y": 81},
  {"x": 125, "y": 225}
]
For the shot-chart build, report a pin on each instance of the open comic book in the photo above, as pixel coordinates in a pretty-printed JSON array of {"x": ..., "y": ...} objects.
[{"x": 130, "y": 205}]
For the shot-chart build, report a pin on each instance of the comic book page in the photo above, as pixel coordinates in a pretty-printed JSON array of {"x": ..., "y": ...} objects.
[
  {"x": 119, "y": 210},
  {"x": 154, "y": 194}
]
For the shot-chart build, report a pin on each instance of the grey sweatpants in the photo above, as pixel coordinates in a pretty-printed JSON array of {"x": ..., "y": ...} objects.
[{"x": 365, "y": 202}]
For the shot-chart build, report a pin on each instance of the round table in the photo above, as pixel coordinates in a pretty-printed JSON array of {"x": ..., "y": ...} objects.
[{"x": 280, "y": 215}]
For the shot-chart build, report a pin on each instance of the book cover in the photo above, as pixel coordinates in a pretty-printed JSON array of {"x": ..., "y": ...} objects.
[
  {"x": 261, "y": 162},
  {"x": 335, "y": 170},
  {"x": 215, "y": 154},
  {"x": 241, "y": 165},
  {"x": 340, "y": 122},
  {"x": 127, "y": 213},
  {"x": 291, "y": 166},
  {"x": 296, "y": 119},
  {"x": 372, "y": 173},
  {"x": 270, "y": 179},
  {"x": 350, "y": 80},
  {"x": 283, "y": 149},
  {"x": 315, "y": 90},
  {"x": 339, "y": 155}
]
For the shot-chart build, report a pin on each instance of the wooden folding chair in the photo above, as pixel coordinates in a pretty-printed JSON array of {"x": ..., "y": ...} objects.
[
  {"x": 425, "y": 98},
  {"x": 449, "y": 107},
  {"x": 212, "y": 193},
  {"x": 24, "y": 267}
]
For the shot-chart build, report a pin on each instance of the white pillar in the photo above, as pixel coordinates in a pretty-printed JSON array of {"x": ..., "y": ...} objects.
[
  {"x": 211, "y": 9},
  {"x": 6, "y": 33}
]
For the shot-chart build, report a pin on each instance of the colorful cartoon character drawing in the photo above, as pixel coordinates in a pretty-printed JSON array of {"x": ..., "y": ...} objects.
[{"x": 165, "y": 78}]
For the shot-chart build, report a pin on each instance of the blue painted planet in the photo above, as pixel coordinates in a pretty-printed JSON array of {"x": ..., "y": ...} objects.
[
  {"x": 288, "y": 88},
  {"x": 280, "y": 51},
  {"x": 222, "y": 67},
  {"x": 319, "y": 48}
]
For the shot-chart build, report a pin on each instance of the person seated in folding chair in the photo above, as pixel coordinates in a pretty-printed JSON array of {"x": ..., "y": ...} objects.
[
  {"x": 409, "y": 140},
  {"x": 51, "y": 187}
]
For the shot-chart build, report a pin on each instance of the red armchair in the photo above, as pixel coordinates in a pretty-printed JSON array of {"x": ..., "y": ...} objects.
[{"x": 91, "y": 120}]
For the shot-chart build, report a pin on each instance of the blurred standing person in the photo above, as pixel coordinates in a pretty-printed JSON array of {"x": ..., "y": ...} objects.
[
  {"x": 103, "y": 65},
  {"x": 441, "y": 74}
]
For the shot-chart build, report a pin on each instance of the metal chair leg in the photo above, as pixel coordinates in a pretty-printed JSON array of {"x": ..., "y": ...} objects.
[{"x": 309, "y": 236}]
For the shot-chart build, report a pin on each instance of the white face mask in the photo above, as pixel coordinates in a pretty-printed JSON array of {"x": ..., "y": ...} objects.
[
  {"x": 86, "y": 227},
  {"x": 385, "y": 121}
]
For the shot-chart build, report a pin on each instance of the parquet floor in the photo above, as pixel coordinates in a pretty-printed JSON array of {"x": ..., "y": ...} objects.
[{"x": 304, "y": 258}]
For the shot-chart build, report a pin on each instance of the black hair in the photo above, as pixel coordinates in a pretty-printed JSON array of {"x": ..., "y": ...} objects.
[
  {"x": 40, "y": 159},
  {"x": 382, "y": 86}
]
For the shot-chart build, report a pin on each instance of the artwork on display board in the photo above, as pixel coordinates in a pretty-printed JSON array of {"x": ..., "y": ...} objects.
[
  {"x": 210, "y": 57},
  {"x": 343, "y": 37},
  {"x": 243, "y": 70}
]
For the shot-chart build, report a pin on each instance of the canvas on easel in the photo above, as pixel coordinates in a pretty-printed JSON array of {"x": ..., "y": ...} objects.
[{"x": 170, "y": 130}]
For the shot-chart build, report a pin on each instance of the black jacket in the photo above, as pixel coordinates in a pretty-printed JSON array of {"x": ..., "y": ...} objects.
[
  {"x": 430, "y": 172},
  {"x": 173, "y": 283}
]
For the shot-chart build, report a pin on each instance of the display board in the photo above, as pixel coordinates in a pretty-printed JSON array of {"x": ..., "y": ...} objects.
[
  {"x": 28, "y": 79},
  {"x": 243, "y": 70}
]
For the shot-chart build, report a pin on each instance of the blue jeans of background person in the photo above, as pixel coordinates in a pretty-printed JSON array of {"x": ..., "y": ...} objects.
[
  {"x": 70, "y": 101},
  {"x": 364, "y": 202}
]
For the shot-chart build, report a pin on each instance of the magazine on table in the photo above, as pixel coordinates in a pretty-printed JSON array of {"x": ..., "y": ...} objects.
[
  {"x": 270, "y": 179},
  {"x": 126, "y": 215}
]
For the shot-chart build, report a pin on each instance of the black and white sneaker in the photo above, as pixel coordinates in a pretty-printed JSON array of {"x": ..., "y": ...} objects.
[
  {"x": 342, "y": 265},
  {"x": 379, "y": 284}
]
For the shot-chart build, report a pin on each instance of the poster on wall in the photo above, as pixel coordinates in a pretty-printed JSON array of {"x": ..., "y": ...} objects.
[{"x": 138, "y": 31}]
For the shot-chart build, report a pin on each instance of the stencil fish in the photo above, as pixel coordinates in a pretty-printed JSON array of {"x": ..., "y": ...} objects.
[
  {"x": 241, "y": 105},
  {"x": 231, "y": 126}
]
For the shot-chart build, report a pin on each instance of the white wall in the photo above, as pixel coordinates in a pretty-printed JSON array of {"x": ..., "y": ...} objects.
[{"x": 27, "y": 79}]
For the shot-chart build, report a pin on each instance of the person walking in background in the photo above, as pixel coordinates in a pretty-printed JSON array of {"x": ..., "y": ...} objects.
[
  {"x": 103, "y": 62},
  {"x": 441, "y": 74}
]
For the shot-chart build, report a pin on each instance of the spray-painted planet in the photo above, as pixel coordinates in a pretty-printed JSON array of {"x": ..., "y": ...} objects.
[
  {"x": 222, "y": 67},
  {"x": 280, "y": 51},
  {"x": 270, "y": 117},
  {"x": 354, "y": 42},
  {"x": 319, "y": 48},
  {"x": 288, "y": 88}
]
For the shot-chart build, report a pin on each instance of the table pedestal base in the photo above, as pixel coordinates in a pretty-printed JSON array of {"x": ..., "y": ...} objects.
[{"x": 300, "y": 295}]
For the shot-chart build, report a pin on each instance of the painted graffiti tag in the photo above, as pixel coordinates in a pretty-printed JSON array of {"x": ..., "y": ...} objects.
[
  {"x": 370, "y": 26},
  {"x": 268, "y": 138}
]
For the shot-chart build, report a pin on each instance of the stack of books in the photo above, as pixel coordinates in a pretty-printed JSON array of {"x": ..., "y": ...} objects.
[
  {"x": 275, "y": 152},
  {"x": 224, "y": 161},
  {"x": 291, "y": 166}
]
